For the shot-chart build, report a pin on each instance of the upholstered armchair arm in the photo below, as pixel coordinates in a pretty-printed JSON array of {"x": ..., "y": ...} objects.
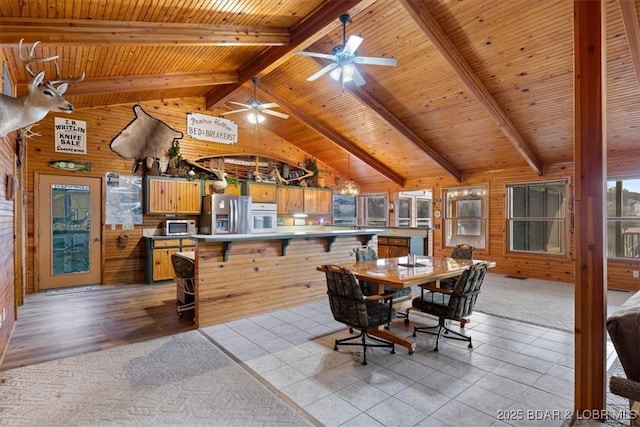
[
  {"x": 433, "y": 288},
  {"x": 382, "y": 296},
  {"x": 625, "y": 387}
]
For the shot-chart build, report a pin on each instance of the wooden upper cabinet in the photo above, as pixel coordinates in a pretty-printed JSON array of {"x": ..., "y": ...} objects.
[
  {"x": 173, "y": 196},
  {"x": 317, "y": 201},
  {"x": 290, "y": 200},
  {"x": 259, "y": 192}
]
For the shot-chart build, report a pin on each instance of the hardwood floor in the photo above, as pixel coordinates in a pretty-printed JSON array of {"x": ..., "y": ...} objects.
[{"x": 67, "y": 322}]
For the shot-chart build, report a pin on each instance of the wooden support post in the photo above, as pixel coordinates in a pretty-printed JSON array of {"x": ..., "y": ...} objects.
[{"x": 590, "y": 180}]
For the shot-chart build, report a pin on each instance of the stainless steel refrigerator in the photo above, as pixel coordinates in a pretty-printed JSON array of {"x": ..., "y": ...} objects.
[{"x": 225, "y": 214}]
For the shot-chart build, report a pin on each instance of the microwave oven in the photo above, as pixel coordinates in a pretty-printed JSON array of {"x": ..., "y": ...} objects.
[{"x": 179, "y": 227}]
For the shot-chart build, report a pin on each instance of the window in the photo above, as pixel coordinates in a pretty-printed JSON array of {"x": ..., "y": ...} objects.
[
  {"x": 623, "y": 218},
  {"x": 536, "y": 218},
  {"x": 414, "y": 208},
  {"x": 375, "y": 210},
  {"x": 465, "y": 216}
]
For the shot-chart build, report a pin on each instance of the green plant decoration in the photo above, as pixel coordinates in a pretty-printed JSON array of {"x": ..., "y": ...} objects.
[{"x": 174, "y": 155}]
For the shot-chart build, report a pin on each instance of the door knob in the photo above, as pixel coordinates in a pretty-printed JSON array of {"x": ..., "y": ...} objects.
[{"x": 96, "y": 239}]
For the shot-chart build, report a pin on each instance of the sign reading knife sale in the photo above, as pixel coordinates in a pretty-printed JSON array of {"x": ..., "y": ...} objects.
[
  {"x": 71, "y": 136},
  {"x": 214, "y": 129}
]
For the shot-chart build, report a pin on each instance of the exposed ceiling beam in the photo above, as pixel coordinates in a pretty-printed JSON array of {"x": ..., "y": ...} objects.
[
  {"x": 632, "y": 28},
  {"x": 403, "y": 129},
  {"x": 102, "y": 85},
  {"x": 89, "y": 32},
  {"x": 315, "y": 26},
  {"x": 334, "y": 137},
  {"x": 430, "y": 26}
]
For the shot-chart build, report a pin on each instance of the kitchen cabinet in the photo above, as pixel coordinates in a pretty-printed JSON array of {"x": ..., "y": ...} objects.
[
  {"x": 395, "y": 246},
  {"x": 158, "y": 251},
  {"x": 260, "y": 192},
  {"x": 172, "y": 196},
  {"x": 290, "y": 200},
  {"x": 317, "y": 200}
]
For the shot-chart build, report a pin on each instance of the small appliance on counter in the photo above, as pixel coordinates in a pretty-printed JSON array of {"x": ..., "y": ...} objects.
[
  {"x": 264, "y": 217},
  {"x": 225, "y": 214},
  {"x": 179, "y": 227}
]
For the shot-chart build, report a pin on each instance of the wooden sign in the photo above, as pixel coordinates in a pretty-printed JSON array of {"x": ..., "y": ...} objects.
[{"x": 213, "y": 129}]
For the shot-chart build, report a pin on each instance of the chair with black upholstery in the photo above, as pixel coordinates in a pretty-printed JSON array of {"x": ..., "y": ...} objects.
[
  {"x": 184, "y": 270},
  {"x": 462, "y": 251},
  {"x": 351, "y": 307},
  {"x": 451, "y": 304},
  {"x": 366, "y": 253}
]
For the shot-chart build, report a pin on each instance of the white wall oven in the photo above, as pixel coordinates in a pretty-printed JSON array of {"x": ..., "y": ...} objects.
[{"x": 264, "y": 217}]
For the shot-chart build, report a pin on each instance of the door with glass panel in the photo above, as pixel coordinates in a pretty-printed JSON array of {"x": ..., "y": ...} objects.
[{"x": 68, "y": 228}]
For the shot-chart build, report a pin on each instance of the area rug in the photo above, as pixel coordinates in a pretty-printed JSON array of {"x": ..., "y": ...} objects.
[
  {"x": 541, "y": 302},
  {"x": 183, "y": 379}
]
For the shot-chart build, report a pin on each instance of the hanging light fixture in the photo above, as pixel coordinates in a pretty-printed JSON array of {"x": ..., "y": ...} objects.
[
  {"x": 349, "y": 187},
  {"x": 255, "y": 117},
  {"x": 346, "y": 70}
]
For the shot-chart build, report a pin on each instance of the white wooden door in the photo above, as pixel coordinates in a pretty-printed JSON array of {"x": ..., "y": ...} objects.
[{"x": 68, "y": 224}]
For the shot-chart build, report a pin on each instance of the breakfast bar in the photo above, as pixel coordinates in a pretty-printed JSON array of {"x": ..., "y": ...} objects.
[{"x": 242, "y": 275}]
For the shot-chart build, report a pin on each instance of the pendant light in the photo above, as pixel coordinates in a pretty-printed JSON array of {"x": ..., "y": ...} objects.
[{"x": 349, "y": 187}]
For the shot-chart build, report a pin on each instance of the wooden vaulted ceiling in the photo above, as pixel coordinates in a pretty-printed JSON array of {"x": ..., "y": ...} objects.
[{"x": 478, "y": 86}]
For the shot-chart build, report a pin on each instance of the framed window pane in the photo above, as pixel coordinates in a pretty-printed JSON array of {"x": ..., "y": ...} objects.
[
  {"x": 375, "y": 209},
  {"x": 404, "y": 212},
  {"x": 465, "y": 212},
  {"x": 623, "y": 218},
  {"x": 537, "y": 217}
]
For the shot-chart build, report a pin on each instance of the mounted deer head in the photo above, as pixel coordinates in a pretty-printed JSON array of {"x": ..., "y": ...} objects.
[{"x": 43, "y": 96}]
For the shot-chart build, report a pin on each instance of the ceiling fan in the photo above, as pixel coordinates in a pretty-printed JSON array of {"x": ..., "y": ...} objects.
[
  {"x": 256, "y": 108},
  {"x": 344, "y": 58}
]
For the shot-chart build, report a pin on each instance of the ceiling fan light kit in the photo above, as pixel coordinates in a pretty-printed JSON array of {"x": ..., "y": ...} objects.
[
  {"x": 256, "y": 109},
  {"x": 343, "y": 68}
]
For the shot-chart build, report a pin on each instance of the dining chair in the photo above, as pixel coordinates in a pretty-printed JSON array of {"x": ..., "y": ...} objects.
[
  {"x": 365, "y": 253},
  {"x": 184, "y": 270},
  {"x": 349, "y": 306},
  {"x": 461, "y": 251},
  {"x": 451, "y": 304}
]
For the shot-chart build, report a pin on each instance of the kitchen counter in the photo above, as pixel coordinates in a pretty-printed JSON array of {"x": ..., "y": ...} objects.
[
  {"x": 239, "y": 275},
  {"x": 285, "y": 238}
]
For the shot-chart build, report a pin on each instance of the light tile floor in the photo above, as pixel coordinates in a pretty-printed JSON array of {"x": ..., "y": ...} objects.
[{"x": 515, "y": 374}]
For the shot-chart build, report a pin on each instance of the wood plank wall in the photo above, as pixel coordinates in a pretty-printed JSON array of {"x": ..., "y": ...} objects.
[
  {"x": 126, "y": 265},
  {"x": 7, "y": 274},
  {"x": 7, "y": 256},
  {"x": 256, "y": 279},
  {"x": 535, "y": 266}
]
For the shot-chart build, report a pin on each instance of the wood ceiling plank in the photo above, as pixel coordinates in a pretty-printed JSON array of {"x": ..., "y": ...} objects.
[
  {"x": 316, "y": 25},
  {"x": 427, "y": 22},
  {"x": 85, "y": 32},
  {"x": 334, "y": 137},
  {"x": 632, "y": 28},
  {"x": 404, "y": 130}
]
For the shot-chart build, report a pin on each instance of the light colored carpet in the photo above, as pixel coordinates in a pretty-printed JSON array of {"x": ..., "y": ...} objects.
[
  {"x": 183, "y": 379},
  {"x": 541, "y": 302}
]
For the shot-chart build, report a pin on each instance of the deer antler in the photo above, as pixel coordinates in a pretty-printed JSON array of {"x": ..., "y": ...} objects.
[
  {"x": 30, "y": 59},
  {"x": 59, "y": 79}
]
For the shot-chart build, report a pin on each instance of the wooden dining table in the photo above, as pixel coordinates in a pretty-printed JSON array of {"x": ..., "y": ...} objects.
[{"x": 398, "y": 272}]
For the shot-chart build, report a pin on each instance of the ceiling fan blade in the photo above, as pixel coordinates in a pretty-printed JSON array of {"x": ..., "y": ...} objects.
[
  {"x": 269, "y": 105},
  {"x": 235, "y": 111},
  {"x": 239, "y": 103},
  {"x": 316, "y": 55},
  {"x": 352, "y": 45},
  {"x": 322, "y": 71},
  {"x": 373, "y": 60},
  {"x": 276, "y": 113},
  {"x": 357, "y": 77}
]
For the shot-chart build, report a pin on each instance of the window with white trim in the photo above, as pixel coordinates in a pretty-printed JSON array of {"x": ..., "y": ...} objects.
[
  {"x": 375, "y": 208},
  {"x": 465, "y": 216},
  {"x": 623, "y": 218},
  {"x": 537, "y": 217}
]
